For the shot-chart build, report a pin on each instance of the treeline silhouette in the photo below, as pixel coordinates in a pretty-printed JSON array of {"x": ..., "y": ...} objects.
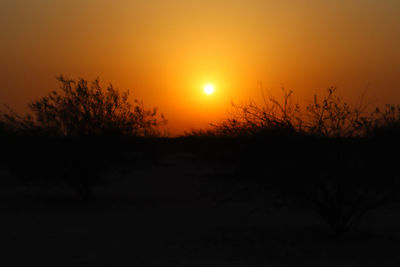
[{"x": 337, "y": 160}]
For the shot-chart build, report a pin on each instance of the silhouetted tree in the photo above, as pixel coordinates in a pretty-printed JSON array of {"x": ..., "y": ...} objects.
[
  {"x": 330, "y": 158},
  {"x": 274, "y": 117},
  {"x": 330, "y": 117},
  {"x": 82, "y": 109},
  {"x": 333, "y": 117},
  {"x": 78, "y": 133},
  {"x": 341, "y": 180}
]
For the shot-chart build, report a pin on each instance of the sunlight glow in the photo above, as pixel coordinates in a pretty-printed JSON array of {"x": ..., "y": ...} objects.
[{"x": 209, "y": 89}]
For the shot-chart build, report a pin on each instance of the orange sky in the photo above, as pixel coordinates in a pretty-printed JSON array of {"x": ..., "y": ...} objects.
[{"x": 164, "y": 51}]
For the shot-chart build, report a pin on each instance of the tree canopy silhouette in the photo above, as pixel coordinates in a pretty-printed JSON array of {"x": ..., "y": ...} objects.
[
  {"x": 329, "y": 157},
  {"x": 76, "y": 135},
  {"x": 83, "y": 108}
]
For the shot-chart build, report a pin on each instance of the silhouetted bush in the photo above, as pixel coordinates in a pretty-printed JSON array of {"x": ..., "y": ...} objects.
[
  {"x": 332, "y": 158},
  {"x": 331, "y": 117},
  {"x": 81, "y": 109},
  {"x": 341, "y": 180},
  {"x": 274, "y": 118},
  {"x": 77, "y": 135}
]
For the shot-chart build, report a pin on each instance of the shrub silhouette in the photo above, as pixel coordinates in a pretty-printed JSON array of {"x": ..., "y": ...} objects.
[
  {"x": 333, "y": 117},
  {"x": 330, "y": 158},
  {"x": 89, "y": 110},
  {"x": 76, "y": 135},
  {"x": 274, "y": 118},
  {"x": 329, "y": 117},
  {"x": 341, "y": 180}
]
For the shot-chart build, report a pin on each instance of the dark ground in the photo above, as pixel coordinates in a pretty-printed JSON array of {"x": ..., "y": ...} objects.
[{"x": 161, "y": 217}]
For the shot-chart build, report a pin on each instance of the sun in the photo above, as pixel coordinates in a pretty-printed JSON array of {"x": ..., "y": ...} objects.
[{"x": 209, "y": 89}]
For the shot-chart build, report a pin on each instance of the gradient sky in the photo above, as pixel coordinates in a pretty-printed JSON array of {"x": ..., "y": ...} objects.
[{"x": 164, "y": 51}]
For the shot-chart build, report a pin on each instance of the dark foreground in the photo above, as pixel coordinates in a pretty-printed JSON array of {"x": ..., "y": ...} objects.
[{"x": 153, "y": 221}]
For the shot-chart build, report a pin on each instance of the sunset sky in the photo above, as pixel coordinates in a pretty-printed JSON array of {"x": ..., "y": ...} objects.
[{"x": 166, "y": 51}]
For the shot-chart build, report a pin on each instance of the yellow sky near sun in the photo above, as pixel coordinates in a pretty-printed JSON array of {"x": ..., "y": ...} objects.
[{"x": 165, "y": 51}]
